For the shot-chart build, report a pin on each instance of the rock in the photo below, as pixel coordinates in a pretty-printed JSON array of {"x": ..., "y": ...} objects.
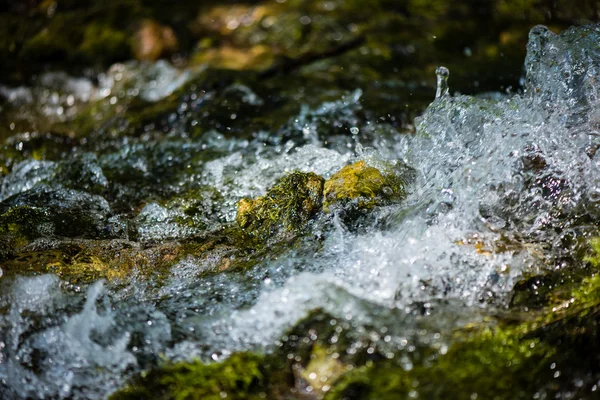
[
  {"x": 154, "y": 40},
  {"x": 241, "y": 376},
  {"x": 47, "y": 212},
  {"x": 287, "y": 206},
  {"x": 364, "y": 185},
  {"x": 323, "y": 370}
]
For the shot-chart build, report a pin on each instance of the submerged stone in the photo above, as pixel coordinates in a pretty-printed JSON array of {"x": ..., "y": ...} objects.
[{"x": 286, "y": 207}]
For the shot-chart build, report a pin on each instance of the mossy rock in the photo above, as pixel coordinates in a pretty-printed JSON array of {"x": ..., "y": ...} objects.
[
  {"x": 365, "y": 186},
  {"x": 286, "y": 208},
  {"x": 241, "y": 376},
  {"x": 493, "y": 364},
  {"x": 82, "y": 261},
  {"x": 48, "y": 212},
  {"x": 542, "y": 354}
]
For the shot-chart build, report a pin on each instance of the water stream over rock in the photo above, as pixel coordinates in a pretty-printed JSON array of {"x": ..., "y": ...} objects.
[{"x": 506, "y": 186}]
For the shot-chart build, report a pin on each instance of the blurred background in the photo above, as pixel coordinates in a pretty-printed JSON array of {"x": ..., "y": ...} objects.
[
  {"x": 288, "y": 52},
  {"x": 481, "y": 41}
]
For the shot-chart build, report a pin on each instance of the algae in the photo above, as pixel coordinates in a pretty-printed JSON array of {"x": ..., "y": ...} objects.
[
  {"x": 285, "y": 209},
  {"x": 240, "y": 376},
  {"x": 365, "y": 185}
]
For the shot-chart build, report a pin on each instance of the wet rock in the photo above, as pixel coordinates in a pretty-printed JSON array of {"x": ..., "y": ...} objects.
[
  {"x": 154, "y": 40},
  {"x": 82, "y": 261},
  {"x": 286, "y": 207},
  {"x": 364, "y": 186},
  {"x": 48, "y": 212},
  {"x": 241, "y": 376},
  {"x": 323, "y": 370},
  {"x": 181, "y": 217}
]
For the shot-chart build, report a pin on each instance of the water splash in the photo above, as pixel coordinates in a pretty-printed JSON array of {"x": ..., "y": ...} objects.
[
  {"x": 442, "y": 74},
  {"x": 70, "y": 354}
]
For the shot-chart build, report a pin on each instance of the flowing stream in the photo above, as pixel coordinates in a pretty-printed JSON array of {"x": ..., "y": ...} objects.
[{"x": 505, "y": 184}]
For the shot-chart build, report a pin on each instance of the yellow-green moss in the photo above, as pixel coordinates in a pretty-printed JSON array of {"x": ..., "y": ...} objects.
[
  {"x": 491, "y": 364},
  {"x": 323, "y": 369},
  {"x": 84, "y": 261},
  {"x": 365, "y": 185},
  {"x": 538, "y": 356},
  {"x": 286, "y": 207},
  {"x": 241, "y": 376}
]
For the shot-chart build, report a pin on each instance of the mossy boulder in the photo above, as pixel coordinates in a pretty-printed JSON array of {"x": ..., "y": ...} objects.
[
  {"x": 365, "y": 186},
  {"x": 541, "y": 354},
  {"x": 298, "y": 197},
  {"x": 241, "y": 376},
  {"x": 286, "y": 207}
]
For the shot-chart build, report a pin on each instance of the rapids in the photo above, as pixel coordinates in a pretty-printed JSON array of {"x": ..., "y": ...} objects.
[{"x": 506, "y": 185}]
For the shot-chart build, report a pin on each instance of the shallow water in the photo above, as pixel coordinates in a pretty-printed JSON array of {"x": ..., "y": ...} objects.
[{"x": 505, "y": 185}]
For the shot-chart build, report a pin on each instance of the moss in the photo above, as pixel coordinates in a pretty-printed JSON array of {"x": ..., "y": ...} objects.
[
  {"x": 544, "y": 354},
  {"x": 285, "y": 209},
  {"x": 84, "y": 261},
  {"x": 41, "y": 214},
  {"x": 24, "y": 222},
  {"x": 240, "y": 376},
  {"x": 317, "y": 346},
  {"x": 196, "y": 206},
  {"x": 365, "y": 186},
  {"x": 594, "y": 256},
  {"x": 103, "y": 44},
  {"x": 53, "y": 213},
  {"x": 492, "y": 364}
]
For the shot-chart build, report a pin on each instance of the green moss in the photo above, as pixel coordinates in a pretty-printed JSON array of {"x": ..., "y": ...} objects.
[
  {"x": 103, "y": 44},
  {"x": 493, "y": 364},
  {"x": 241, "y": 376},
  {"x": 544, "y": 354},
  {"x": 365, "y": 186},
  {"x": 196, "y": 206},
  {"x": 594, "y": 257},
  {"x": 285, "y": 209},
  {"x": 323, "y": 370}
]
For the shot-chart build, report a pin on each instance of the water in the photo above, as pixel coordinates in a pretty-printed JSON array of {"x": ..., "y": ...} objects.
[{"x": 505, "y": 187}]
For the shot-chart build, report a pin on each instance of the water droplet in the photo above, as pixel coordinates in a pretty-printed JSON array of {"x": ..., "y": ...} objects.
[{"x": 442, "y": 74}]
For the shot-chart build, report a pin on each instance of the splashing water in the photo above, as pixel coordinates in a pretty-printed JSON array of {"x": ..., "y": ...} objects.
[
  {"x": 496, "y": 181},
  {"x": 503, "y": 187}
]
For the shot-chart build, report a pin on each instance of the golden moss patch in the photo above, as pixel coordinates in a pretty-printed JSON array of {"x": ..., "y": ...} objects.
[{"x": 365, "y": 184}]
